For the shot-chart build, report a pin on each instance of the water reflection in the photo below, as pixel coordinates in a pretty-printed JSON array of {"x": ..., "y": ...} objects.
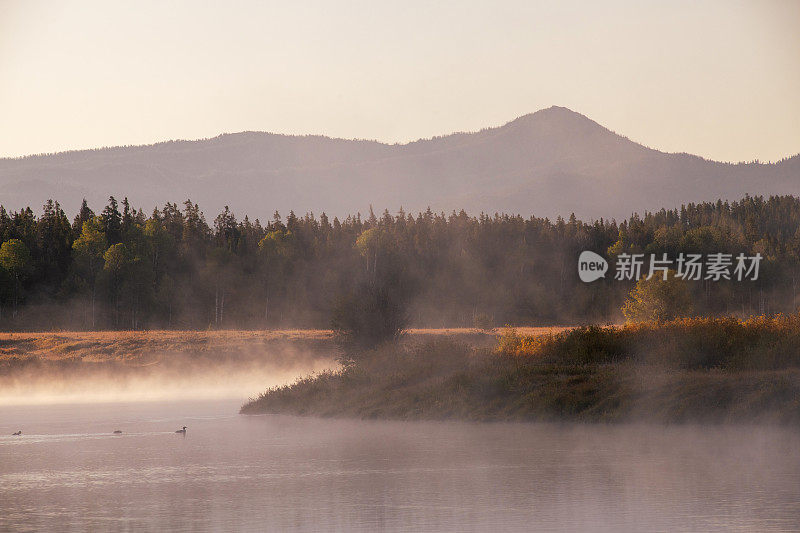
[{"x": 68, "y": 470}]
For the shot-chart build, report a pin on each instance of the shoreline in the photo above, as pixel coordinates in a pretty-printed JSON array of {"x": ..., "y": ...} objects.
[{"x": 686, "y": 371}]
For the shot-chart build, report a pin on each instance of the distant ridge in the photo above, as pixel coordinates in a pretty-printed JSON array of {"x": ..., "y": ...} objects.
[{"x": 551, "y": 162}]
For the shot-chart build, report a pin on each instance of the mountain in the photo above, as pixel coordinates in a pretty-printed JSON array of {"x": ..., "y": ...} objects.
[{"x": 548, "y": 163}]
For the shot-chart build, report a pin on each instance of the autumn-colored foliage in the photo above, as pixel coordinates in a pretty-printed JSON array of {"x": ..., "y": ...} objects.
[
  {"x": 757, "y": 343},
  {"x": 658, "y": 299}
]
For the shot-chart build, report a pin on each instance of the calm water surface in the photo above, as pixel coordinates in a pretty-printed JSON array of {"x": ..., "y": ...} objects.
[{"x": 230, "y": 472}]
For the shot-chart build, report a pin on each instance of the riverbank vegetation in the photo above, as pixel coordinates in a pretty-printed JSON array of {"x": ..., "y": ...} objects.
[
  {"x": 143, "y": 347},
  {"x": 103, "y": 346},
  {"x": 690, "y": 370}
]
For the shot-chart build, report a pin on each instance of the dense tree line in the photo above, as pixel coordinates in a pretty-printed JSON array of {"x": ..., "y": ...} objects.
[{"x": 172, "y": 269}]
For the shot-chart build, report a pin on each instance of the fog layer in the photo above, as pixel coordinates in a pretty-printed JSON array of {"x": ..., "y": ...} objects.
[{"x": 109, "y": 367}]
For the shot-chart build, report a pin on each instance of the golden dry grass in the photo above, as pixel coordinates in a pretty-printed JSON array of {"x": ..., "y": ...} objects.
[
  {"x": 94, "y": 346},
  {"x": 106, "y": 345},
  {"x": 522, "y": 330}
]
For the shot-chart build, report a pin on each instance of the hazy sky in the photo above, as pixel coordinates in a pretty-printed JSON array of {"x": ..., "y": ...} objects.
[{"x": 717, "y": 78}]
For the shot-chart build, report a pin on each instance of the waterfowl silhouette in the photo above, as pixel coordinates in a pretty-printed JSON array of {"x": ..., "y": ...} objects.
[
  {"x": 18, "y": 433},
  {"x": 117, "y": 432},
  {"x": 182, "y": 430}
]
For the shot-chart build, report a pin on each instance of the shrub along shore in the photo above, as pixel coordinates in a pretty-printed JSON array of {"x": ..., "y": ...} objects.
[{"x": 692, "y": 370}]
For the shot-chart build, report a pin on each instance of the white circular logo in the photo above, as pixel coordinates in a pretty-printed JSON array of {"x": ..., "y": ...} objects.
[{"x": 591, "y": 266}]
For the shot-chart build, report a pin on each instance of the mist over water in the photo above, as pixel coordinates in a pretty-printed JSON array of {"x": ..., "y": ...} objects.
[
  {"x": 169, "y": 378},
  {"x": 256, "y": 473}
]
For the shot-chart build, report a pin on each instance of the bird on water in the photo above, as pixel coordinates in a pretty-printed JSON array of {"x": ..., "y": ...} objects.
[
  {"x": 182, "y": 430},
  {"x": 17, "y": 433}
]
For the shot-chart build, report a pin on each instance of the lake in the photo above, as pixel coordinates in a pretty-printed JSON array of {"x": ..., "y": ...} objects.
[{"x": 68, "y": 471}]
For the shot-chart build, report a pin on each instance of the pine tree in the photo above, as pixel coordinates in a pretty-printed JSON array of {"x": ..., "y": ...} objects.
[
  {"x": 111, "y": 220},
  {"x": 84, "y": 214}
]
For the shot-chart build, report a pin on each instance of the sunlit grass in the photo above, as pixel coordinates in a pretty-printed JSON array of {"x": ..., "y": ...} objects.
[{"x": 761, "y": 343}]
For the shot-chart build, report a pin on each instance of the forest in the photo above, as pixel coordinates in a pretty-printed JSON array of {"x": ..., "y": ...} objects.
[{"x": 121, "y": 269}]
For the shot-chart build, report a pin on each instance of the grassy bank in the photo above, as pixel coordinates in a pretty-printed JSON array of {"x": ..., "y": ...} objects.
[
  {"x": 145, "y": 346},
  {"x": 700, "y": 370}
]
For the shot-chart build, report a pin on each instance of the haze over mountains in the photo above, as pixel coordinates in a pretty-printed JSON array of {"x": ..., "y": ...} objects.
[{"x": 552, "y": 162}]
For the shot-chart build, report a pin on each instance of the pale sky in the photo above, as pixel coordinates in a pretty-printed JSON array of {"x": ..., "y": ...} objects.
[{"x": 720, "y": 79}]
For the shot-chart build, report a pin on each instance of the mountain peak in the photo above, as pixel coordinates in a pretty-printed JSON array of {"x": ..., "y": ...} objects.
[
  {"x": 556, "y": 116},
  {"x": 557, "y": 110},
  {"x": 559, "y": 126}
]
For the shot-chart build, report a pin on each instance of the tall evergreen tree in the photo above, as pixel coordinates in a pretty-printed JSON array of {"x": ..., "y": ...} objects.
[
  {"x": 84, "y": 214},
  {"x": 111, "y": 220}
]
